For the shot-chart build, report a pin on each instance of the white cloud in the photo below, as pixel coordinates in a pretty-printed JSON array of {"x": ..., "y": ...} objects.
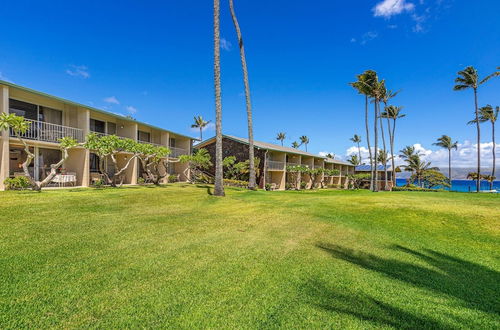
[
  {"x": 464, "y": 157},
  {"x": 368, "y": 36},
  {"x": 4, "y": 78},
  {"x": 224, "y": 44},
  {"x": 353, "y": 40},
  {"x": 78, "y": 71},
  {"x": 388, "y": 8},
  {"x": 112, "y": 100},
  {"x": 131, "y": 110}
]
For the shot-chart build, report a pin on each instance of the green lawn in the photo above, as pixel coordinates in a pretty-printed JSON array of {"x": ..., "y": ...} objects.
[{"x": 176, "y": 256}]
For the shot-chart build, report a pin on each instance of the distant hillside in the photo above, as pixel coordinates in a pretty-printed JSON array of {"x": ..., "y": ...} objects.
[{"x": 456, "y": 173}]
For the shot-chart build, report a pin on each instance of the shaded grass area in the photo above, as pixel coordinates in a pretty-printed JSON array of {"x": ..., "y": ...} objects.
[{"x": 176, "y": 256}]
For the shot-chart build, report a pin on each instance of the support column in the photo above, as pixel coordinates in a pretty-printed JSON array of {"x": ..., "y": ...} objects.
[{"x": 4, "y": 138}]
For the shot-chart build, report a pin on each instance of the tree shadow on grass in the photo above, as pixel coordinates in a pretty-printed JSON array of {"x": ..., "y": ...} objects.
[
  {"x": 476, "y": 286},
  {"x": 366, "y": 308}
]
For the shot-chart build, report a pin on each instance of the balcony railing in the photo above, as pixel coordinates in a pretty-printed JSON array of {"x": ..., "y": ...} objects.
[
  {"x": 47, "y": 132},
  {"x": 176, "y": 152},
  {"x": 274, "y": 165},
  {"x": 292, "y": 164}
]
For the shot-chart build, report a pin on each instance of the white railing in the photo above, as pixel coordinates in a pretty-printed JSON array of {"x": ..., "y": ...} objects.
[
  {"x": 47, "y": 132},
  {"x": 292, "y": 164},
  {"x": 274, "y": 165},
  {"x": 106, "y": 134},
  {"x": 176, "y": 152}
]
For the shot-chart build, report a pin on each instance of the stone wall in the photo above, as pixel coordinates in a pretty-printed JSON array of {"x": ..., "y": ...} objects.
[{"x": 240, "y": 151}]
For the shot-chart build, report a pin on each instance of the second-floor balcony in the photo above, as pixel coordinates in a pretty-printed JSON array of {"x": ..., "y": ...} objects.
[
  {"x": 176, "y": 152},
  {"x": 47, "y": 132},
  {"x": 273, "y": 165}
]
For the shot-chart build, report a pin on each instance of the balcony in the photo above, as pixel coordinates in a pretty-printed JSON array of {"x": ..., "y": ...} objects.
[
  {"x": 176, "y": 152},
  {"x": 275, "y": 166},
  {"x": 47, "y": 132},
  {"x": 292, "y": 164}
]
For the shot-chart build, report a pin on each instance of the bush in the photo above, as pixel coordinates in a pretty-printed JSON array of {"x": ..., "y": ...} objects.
[
  {"x": 288, "y": 186},
  {"x": 17, "y": 183},
  {"x": 303, "y": 185},
  {"x": 414, "y": 188},
  {"x": 172, "y": 178},
  {"x": 99, "y": 183},
  {"x": 141, "y": 181},
  {"x": 236, "y": 183},
  {"x": 268, "y": 186}
]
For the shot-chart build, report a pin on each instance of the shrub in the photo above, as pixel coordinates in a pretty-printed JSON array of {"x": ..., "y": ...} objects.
[
  {"x": 99, "y": 183},
  {"x": 141, "y": 181},
  {"x": 268, "y": 186},
  {"x": 172, "y": 178},
  {"x": 288, "y": 186},
  {"x": 236, "y": 183},
  {"x": 17, "y": 183},
  {"x": 414, "y": 188},
  {"x": 303, "y": 185}
]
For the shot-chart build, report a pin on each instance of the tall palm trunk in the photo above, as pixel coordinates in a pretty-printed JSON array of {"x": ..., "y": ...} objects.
[
  {"x": 251, "y": 181},
  {"x": 494, "y": 154},
  {"x": 385, "y": 152},
  {"x": 375, "y": 160},
  {"x": 368, "y": 142},
  {"x": 391, "y": 146},
  {"x": 478, "y": 184},
  {"x": 359, "y": 152},
  {"x": 449, "y": 165},
  {"x": 219, "y": 183},
  {"x": 201, "y": 133}
]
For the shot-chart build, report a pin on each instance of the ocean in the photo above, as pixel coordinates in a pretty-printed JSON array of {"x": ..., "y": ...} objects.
[{"x": 462, "y": 185}]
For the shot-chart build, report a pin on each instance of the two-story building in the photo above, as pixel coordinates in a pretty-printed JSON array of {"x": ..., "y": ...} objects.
[
  {"x": 52, "y": 118},
  {"x": 274, "y": 160}
]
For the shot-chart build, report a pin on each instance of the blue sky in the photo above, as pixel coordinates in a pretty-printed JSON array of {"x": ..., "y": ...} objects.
[{"x": 153, "y": 59}]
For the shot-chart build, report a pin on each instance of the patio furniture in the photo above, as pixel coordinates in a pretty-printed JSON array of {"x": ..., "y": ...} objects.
[{"x": 63, "y": 179}]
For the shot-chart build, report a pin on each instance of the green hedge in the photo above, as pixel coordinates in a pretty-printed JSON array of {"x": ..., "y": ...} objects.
[{"x": 416, "y": 189}]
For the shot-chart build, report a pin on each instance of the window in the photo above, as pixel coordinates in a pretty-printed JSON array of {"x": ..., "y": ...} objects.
[
  {"x": 143, "y": 136},
  {"x": 47, "y": 157},
  {"x": 94, "y": 163},
  {"x": 172, "y": 142},
  {"x": 51, "y": 116},
  {"x": 26, "y": 110},
  {"x": 111, "y": 128},
  {"x": 97, "y": 126}
]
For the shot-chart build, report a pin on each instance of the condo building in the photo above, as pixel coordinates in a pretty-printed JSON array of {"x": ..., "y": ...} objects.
[
  {"x": 52, "y": 118},
  {"x": 274, "y": 160}
]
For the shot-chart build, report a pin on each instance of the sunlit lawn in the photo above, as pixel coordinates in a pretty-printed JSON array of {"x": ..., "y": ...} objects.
[{"x": 177, "y": 257}]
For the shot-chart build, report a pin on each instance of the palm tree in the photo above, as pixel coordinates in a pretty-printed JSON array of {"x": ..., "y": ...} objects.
[
  {"x": 219, "y": 183},
  {"x": 469, "y": 79},
  {"x": 295, "y": 145},
  {"x": 418, "y": 167},
  {"x": 394, "y": 113},
  {"x": 377, "y": 92},
  {"x": 354, "y": 160},
  {"x": 281, "y": 137},
  {"x": 386, "y": 96},
  {"x": 383, "y": 158},
  {"x": 304, "y": 140},
  {"x": 357, "y": 139},
  {"x": 200, "y": 123},
  {"x": 487, "y": 113},
  {"x": 363, "y": 86},
  {"x": 407, "y": 152},
  {"x": 330, "y": 155},
  {"x": 446, "y": 142},
  {"x": 251, "y": 181}
]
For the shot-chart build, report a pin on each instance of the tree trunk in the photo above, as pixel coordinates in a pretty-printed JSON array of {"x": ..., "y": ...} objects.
[
  {"x": 368, "y": 142},
  {"x": 449, "y": 165},
  {"x": 219, "y": 183},
  {"x": 392, "y": 153},
  {"x": 359, "y": 152},
  {"x": 251, "y": 181},
  {"x": 386, "y": 187},
  {"x": 478, "y": 184},
  {"x": 201, "y": 134},
  {"x": 375, "y": 160},
  {"x": 494, "y": 154}
]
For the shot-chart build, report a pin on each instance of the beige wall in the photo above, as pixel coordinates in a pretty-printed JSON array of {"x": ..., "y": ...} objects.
[{"x": 78, "y": 162}]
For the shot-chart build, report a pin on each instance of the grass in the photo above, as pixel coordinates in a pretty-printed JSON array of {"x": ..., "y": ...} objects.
[{"x": 177, "y": 257}]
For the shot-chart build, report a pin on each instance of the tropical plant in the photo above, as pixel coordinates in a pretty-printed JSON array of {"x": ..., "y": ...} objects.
[
  {"x": 364, "y": 85},
  {"x": 330, "y": 155},
  {"x": 251, "y": 157},
  {"x": 487, "y": 113},
  {"x": 357, "y": 139},
  {"x": 198, "y": 163},
  {"x": 20, "y": 126},
  {"x": 108, "y": 147},
  {"x": 313, "y": 175},
  {"x": 469, "y": 79},
  {"x": 378, "y": 91},
  {"x": 281, "y": 137},
  {"x": 17, "y": 183},
  {"x": 357, "y": 179},
  {"x": 417, "y": 167},
  {"x": 447, "y": 143},
  {"x": 200, "y": 123},
  {"x": 354, "y": 160},
  {"x": 304, "y": 140},
  {"x": 490, "y": 179},
  {"x": 394, "y": 113},
  {"x": 154, "y": 161},
  {"x": 295, "y": 145},
  {"x": 432, "y": 179},
  {"x": 219, "y": 178},
  {"x": 294, "y": 172}
]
